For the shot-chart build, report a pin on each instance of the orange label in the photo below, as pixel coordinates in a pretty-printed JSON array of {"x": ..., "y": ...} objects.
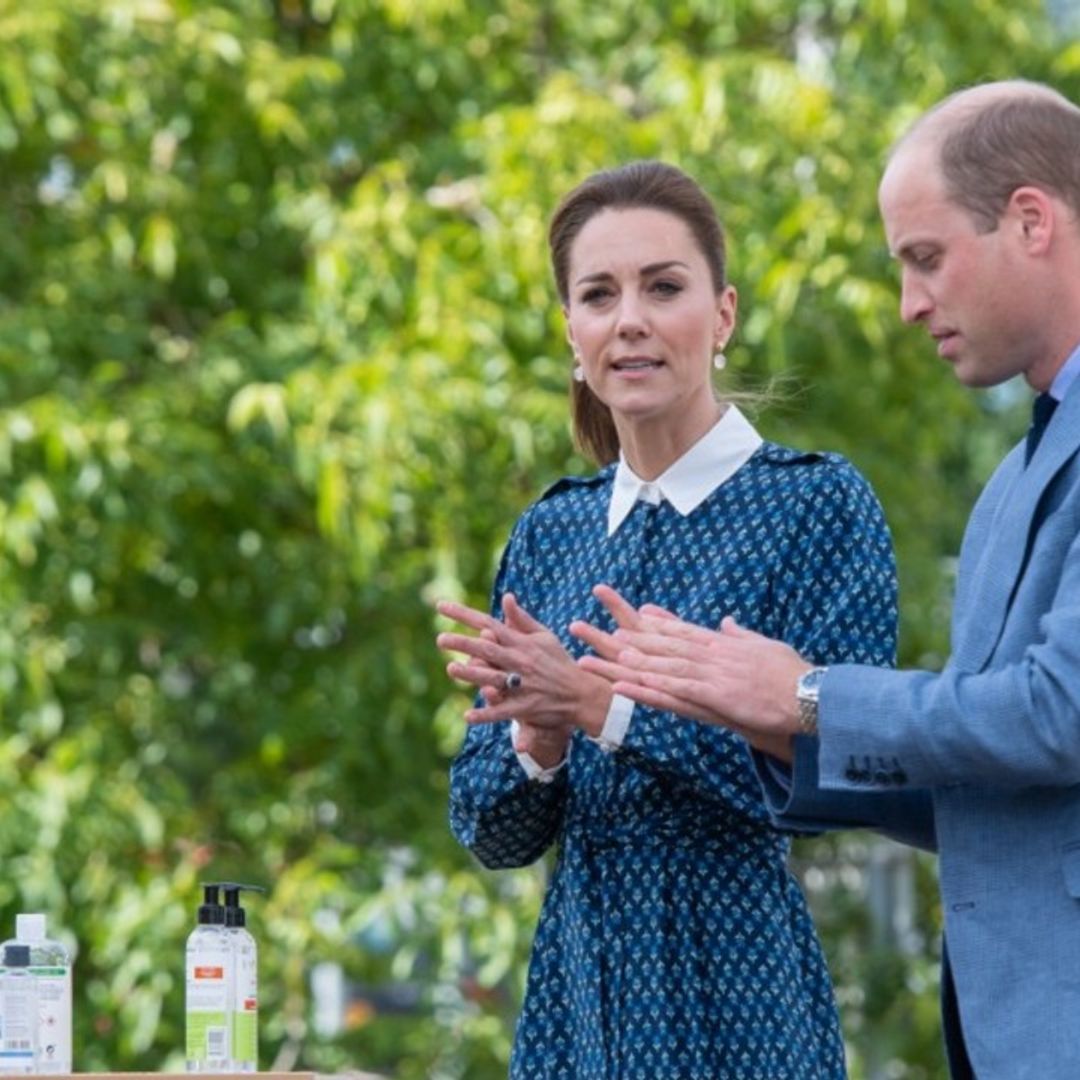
[
  {"x": 209, "y": 973},
  {"x": 250, "y": 1004}
]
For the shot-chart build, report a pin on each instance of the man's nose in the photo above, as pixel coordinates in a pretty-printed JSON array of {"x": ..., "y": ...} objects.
[{"x": 915, "y": 301}]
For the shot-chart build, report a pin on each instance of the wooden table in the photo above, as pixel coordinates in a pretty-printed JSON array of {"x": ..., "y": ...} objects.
[{"x": 349, "y": 1074}]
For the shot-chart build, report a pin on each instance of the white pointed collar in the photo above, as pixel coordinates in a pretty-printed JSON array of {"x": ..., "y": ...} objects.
[{"x": 690, "y": 480}]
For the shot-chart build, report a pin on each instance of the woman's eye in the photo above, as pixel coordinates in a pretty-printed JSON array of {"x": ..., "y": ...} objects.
[
  {"x": 595, "y": 295},
  {"x": 667, "y": 288}
]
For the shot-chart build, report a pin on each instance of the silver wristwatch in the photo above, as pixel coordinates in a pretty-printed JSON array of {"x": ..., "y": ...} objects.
[{"x": 807, "y": 690}]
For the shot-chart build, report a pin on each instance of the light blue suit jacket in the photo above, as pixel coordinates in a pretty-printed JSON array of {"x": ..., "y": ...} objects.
[{"x": 982, "y": 763}]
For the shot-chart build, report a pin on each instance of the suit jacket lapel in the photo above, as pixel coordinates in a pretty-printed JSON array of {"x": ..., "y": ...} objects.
[{"x": 995, "y": 563}]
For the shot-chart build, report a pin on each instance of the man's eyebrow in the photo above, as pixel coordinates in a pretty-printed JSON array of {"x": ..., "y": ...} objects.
[{"x": 907, "y": 251}]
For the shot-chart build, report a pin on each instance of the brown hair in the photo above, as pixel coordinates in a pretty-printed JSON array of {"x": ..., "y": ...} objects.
[
  {"x": 650, "y": 185},
  {"x": 998, "y": 137}
]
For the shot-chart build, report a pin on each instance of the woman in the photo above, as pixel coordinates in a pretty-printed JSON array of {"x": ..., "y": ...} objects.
[{"x": 673, "y": 943}]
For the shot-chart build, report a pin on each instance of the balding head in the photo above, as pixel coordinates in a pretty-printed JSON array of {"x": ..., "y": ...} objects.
[{"x": 991, "y": 139}]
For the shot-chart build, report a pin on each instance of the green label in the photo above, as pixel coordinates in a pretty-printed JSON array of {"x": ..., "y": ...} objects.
[
  {"x": 246, "y": 1037},
  {"x": 207, "y": 1036}
]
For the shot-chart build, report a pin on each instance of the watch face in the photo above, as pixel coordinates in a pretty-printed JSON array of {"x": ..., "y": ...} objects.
[{"x": 810, "y": 683}]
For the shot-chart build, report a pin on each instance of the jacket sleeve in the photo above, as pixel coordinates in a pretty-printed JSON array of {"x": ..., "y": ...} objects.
[
  {"x": 798, "y": 803},
  {"x": 1013, "y": 726},
  {"x": 833, "y": 599},
  {"x": 1005, "y": 711},
  {"x": 498, "y": 813}
]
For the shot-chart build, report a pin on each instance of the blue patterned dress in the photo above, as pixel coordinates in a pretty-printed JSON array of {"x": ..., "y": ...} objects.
[{"x": 673, "y": 942}]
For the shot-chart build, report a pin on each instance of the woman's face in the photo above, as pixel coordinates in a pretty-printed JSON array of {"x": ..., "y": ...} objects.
[{"x": 644, "y": 318}]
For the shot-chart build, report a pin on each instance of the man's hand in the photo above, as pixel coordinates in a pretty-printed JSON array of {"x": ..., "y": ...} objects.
[{"x": 733, "y": 676}]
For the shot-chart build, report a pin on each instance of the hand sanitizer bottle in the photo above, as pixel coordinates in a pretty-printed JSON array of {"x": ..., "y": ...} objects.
[
  {"x": 18, "y": 1012},
  {"x": 245, "y": 1000},
  {"x": 208, "y": 978},
  {"x": 50, "y": 965}
]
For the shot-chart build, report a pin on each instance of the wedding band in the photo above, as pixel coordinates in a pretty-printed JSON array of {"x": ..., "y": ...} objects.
[{"x": 512, "y": 681}]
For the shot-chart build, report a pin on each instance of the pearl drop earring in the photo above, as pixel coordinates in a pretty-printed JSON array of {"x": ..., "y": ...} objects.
[
  {"x": 579, "y": 373},
  {"x": 719, "y": 360}
]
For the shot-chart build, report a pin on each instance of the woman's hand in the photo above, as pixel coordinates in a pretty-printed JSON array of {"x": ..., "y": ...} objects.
[
  {"x": 546, "y": 746},
  {"x": 552, "y": 694},
  {"x": 731, "y": 676}
]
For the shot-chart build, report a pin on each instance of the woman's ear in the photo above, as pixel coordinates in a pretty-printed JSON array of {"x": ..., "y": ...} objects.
[
  {"x": 570, "y": 335},
  {"x": 727, "y": 304}
]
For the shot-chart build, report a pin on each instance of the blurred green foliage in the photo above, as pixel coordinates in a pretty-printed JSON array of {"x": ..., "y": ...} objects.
[{"x": 280, "y": 362}]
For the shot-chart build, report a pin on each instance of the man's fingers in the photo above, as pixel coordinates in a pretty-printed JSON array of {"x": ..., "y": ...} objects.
[
  {"x": 683, "y": 696},
  {"x": 622, "y": 611},
  {"x": 676, "y": 667},
  {"x": 656, "y": 612},
  {"x": 729, "y": 628},
  {"x": 652, "y": 697},
  {"x": 652, "y": 645},
  {"x": 607, "y": 669},
  {"x": 599, "y": 640}
]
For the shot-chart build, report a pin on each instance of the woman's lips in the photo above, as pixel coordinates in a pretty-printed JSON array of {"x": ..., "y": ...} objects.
[{"x": 631, "y": 365}]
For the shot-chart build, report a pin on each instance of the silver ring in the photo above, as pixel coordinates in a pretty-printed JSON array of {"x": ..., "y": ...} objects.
[{"x": 512, "y": 681}]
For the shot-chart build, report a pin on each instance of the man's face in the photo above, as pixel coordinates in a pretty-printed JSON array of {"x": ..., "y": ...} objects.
[{"x": 967, "y": 288}]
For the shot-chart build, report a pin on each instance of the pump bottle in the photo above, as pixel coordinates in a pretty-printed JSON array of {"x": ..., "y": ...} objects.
[
  {"x": 245, "y": 995},
  {"x": 208, "y": 988},
  {"x": 18, "y": 1012},
  {"x": 50, "y": 964}
]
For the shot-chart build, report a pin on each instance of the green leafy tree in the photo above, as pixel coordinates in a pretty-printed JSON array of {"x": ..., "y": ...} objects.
[{"x": 280, "y": 363}]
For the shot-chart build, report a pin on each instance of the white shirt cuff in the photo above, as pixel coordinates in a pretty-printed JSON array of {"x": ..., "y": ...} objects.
[
  {"x": 533, "y": 769},
  {"x": 620, "y": 713}
]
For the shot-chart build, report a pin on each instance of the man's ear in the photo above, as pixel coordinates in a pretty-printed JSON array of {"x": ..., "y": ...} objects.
[{"x": 1033, "y": 212}]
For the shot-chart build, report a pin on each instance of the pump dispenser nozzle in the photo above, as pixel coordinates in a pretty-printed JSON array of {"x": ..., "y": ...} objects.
[
  {"x": 211, "y": 913},
  {"x": 234, "y": 913}
]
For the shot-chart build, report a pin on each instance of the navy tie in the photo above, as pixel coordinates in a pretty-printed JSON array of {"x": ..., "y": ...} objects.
[{"x": 1041, "y": 412}]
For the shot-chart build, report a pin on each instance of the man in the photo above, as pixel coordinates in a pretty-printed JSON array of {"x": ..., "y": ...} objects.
[{"x": 981, "y": 206}]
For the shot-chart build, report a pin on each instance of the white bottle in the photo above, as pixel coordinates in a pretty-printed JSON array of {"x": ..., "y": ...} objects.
[
  {"x": 50, "y": 965},
  {"x": 245, "y": 998},
  {"x": 208, "y": 991},
  {"x": 18, "y": 1012}
]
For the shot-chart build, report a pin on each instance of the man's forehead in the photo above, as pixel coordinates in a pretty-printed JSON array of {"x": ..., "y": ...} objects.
[
  {"x": 912, "y": 199},
  {"x": 915, "y": 168}
]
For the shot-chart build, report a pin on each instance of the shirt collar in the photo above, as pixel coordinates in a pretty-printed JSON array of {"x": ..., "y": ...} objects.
[
  {"x": 1066, "y": 375},
  {"x": 690, "y": 480}
]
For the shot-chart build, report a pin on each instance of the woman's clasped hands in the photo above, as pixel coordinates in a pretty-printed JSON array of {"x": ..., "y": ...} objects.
[{"x": 524, "y": 673}]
